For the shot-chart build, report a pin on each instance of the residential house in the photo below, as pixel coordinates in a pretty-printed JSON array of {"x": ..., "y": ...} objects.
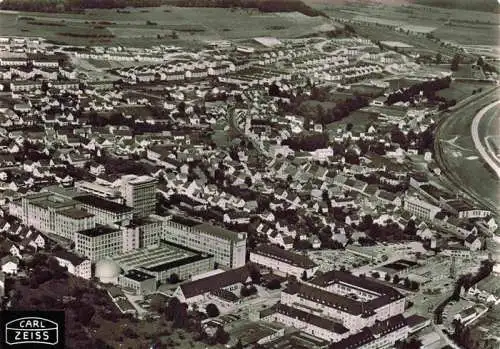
[
  {"x": 9, "y": 265},
  {"x": 76, "y": 265}
]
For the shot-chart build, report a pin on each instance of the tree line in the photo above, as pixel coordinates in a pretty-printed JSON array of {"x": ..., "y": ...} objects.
[
  {"x": 465, "y": 282},
  {"x": 73, "y": 5},
  {"x": 427, "y": 88},
  {"x": 261, "y": 5}
]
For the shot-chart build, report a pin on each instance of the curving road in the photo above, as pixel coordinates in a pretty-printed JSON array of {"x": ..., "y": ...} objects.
[
  {"x": 477, "y": 140},
  {"x": 471, "y": 177}
]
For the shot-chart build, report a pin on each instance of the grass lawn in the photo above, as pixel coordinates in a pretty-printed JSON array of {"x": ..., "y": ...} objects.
[
  {"x": 459, "y": 90},
  {"x": 313, "y": 104},
  {"x": 359, "y": 119},
  {"x": 131, "y": 27},
  {"x": 469, "y": 34},
  {"x": 366, "y": 90}
]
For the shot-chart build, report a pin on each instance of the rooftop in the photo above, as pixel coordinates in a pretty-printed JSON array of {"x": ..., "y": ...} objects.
[
  {"x": 68, "y": 256},
  {"x": 214, "y": 282},
  {"x": 137, "y": 275},
  {"x": 98, "y": 231},
  {"x": 209, "y": 229},
  {"x": 313, "y": 319},
  {"x": 164, "y": 257},
  {"x": 103, "y": 204},
  {"x": 75, "y": 213},
  {"x": 284, "y": 256},
  {"x": 136, "y": 180}
]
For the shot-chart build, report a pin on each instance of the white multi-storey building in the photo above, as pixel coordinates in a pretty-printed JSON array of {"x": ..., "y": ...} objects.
[
  {"x": 283, "y": 262},
  {"x": 100, "y": 242},
  {"x": 350, "y": 311},
  {"x": 227, "y": 247},
  {"x": 105, "y": 211},
  {"x": 56, "y": 215},
  {"x": 80, "y": 267},
  {"x": 139, "y": 192},
  {"x": 420, "y": 208}
]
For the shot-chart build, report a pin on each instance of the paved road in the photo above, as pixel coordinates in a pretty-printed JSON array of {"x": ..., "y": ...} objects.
[{"x": 478, "y": 142}]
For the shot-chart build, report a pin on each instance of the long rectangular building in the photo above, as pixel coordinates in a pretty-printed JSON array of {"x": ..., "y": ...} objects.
[
  {"x": 165, "y": 260},
  {"x": 382, "y": 334},
  {"x": 55, "y": 215},
  {"x": 353, "y": 301},
  {"x": 283, "y": 262},
  {"x": 227, "y": 247},
  {"x": 308, "y": 322}
]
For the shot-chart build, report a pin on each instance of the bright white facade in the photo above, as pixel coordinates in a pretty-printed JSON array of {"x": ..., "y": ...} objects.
[
  {"x": 227, "y": 247},
  {"x": 283, "y": 262},
  {"x": 80, "y": 267}
]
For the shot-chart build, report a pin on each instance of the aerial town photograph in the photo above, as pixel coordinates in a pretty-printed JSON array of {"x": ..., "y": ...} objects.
[{"x": 250, "y": 174}]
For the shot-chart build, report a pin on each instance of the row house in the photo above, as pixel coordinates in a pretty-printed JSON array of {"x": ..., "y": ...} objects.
[{"x": 25, "y": 85}]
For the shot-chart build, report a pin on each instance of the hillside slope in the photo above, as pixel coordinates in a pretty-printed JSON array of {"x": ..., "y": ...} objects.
[{"x": 475, "y": 5}]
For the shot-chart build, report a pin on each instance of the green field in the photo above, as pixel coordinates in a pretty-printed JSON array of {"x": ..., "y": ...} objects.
[
  {"x": 460, "y": 90},
  {"x": 157, "y": 25},
  {"x": 467, "y": 27},
  {"x": 359, "y": 119}
]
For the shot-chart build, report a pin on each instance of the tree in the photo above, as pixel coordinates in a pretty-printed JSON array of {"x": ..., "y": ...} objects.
[
  {"x": 247, "y": 291},
  {"x": 395, "y": 279},
  {"x": 407, "y": 282},
  {"x": 255, "y": 274},
  {"x": 387, "y": 277},
  {"x": 173, "y": 278},
  {"x": 84, "y": 313},
  {"x": 238, "y": 345},
  {"x": 414, "y": 285},
  {"x": 410, "y": 228},
  {"x": 438, "y": 58},
  {"x": 455, "y": 62},
  {"x": 212, "y": 310},
  {"x": 130, "y": 333},
  {"x": 171, "y": 308},
  {"x": 273, "y": 284},
  {"x": 274, "y": 90},
  {"x": 181, "y": 319},
  {"x": 221, "y": 336},
  {"x": 157, "y": 303},
  {"x": 304, "y": 276},
  {"x": 375, "y": 274},
  {"x": 248, "y": 181}
]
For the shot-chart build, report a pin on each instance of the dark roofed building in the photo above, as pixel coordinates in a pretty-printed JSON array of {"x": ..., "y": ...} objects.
[
  {"x": 283, "y": 262},
  {"x": 105, "y": 211},
  {"x": 197, "y": 290},
  {"x": 382, "y": 334},
  {"x": 103, "y": 204},
  {"x": 75, "y": 264},
  {"x": 318, "y": 326}
]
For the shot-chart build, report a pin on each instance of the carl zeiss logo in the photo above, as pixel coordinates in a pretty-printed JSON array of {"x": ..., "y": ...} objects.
[{"x": 33, "y": 329}]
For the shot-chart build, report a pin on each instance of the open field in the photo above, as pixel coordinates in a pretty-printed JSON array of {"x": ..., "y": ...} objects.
[
  {"x": 467, "y": 27},
  {"x": 157, "y": 25},
  {"x": 359, "y": 118},
  {"x": 469, "y": 34},
  {"x": 460, "y": 90}
]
